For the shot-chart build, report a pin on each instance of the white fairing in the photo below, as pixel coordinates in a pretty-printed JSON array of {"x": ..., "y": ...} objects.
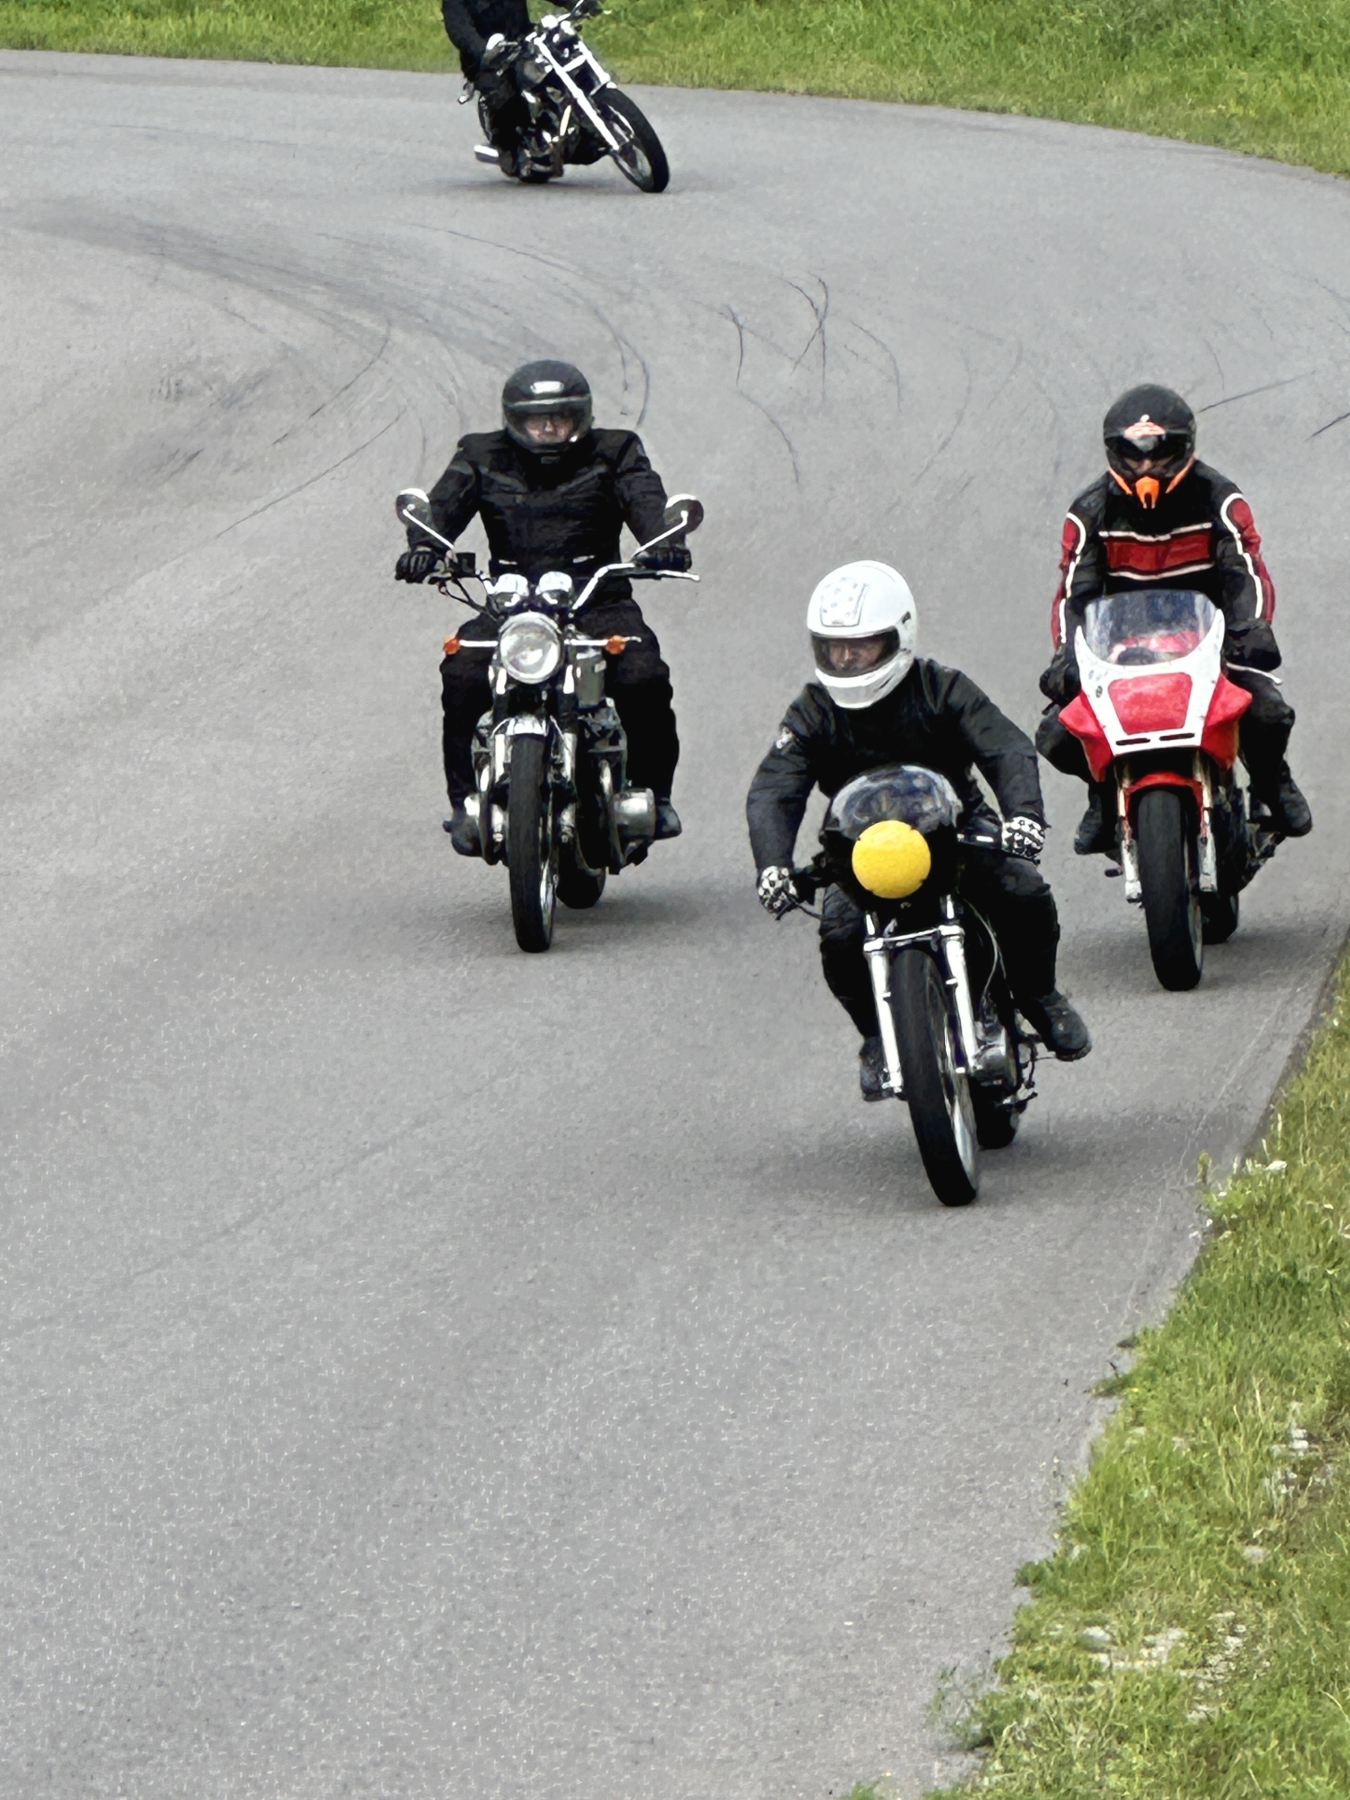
[
  {"x": 1203, "y": 665},
  {"x": 858, "y": 601}
]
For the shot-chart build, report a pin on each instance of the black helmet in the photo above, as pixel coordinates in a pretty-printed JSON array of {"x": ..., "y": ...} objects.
[
  {"x": 546, "y": 390},
  {"x": 1150, "y": 442}
]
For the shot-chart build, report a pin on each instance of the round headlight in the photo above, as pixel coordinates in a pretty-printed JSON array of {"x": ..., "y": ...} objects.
[
  {"x": 892, "y": 859},
  {"x": 530, "y": 648}
]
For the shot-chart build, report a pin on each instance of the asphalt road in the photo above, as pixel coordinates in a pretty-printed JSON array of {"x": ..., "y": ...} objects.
[{"x": 429, "y": 1370}]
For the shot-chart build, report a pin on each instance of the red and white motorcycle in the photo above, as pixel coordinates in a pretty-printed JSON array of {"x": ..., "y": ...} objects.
[{"x": 1156, "y": 709}]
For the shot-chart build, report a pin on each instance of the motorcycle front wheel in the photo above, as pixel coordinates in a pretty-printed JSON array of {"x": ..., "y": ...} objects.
[
  {"x": 1169, "y": 876},
  {"x": 639, "y": 156},
  {"x": 938, "y": 1091},
  {"x": 531, "y": 844}
]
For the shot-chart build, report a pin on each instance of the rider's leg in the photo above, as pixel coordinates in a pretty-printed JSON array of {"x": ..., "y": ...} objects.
[
  {"x": 638, "y": 681},
  {"x": 846, "y": 975},
  {"x": 1015, "y": 898},
  {"x": 1263, "y": 741},
  {"x": 465, "y": 697},
  {"x": 1096, "y": 833}
]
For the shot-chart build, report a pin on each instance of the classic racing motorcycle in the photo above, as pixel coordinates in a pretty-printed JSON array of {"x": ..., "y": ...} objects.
[
  {"x": 955, "y": 1047},
  {"x": 1156, "y": 711},
  {"x": 577, "y": 115},
  {"x": 552, "y": 799}
]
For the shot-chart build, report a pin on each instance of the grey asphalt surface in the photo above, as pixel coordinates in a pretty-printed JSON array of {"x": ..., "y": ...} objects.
[{"x": 430, "y": 1370}]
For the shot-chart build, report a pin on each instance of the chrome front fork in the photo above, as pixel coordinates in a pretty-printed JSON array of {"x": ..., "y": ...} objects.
[{"x": 949, "y": 941}]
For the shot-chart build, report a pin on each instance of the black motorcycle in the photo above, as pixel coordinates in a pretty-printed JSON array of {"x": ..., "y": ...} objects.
[
  {"x": 955, "y": 1047},
  {"x": 551, "y": 799},
  {"x": 576, "y": 114}
]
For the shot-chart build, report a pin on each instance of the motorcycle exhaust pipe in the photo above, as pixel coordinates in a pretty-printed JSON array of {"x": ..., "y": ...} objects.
[
  {"x": 635, "y": 814},
  {"x": 484, "y": 153}
]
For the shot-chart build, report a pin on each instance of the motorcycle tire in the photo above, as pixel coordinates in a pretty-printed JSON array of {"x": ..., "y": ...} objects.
[
  {"x": 1168, "y": 874},
  {"x": 940, "y": 1104},
  {"x": 995, "y": 1125},
  {"x": 579, "y": 889},
  {"x": 639, "y": 156},
  {"x": 531, "y": 844},
  {"x": 1219, "y": 914}
]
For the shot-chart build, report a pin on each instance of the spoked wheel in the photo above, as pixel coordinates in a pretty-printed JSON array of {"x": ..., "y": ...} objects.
[
  {"x": 1170, "y": 878},
  {"x": 938, "y": 1092},
  {"x": 639, "y": 156},
  {"x": 531, "y": 844},
  {"x": 1219, "y": 913}
]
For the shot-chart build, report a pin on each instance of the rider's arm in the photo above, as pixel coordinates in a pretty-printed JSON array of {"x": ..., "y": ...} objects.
[
  {"x": 640, "y": 490},
  {"x": 1000, "y": 750},
  {"x": 454, "y": 499},
  {"x": 1082, "y": 573},
  {"x": 1248, "y": 591},
  {"x": 463, "y": 33},
  {"x": 782, "y": 786}
]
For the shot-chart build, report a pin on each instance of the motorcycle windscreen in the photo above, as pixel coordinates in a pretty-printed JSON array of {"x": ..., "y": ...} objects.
[
  {"x": 901, "y": 791},
  {"x": 1147, "y": 626}
]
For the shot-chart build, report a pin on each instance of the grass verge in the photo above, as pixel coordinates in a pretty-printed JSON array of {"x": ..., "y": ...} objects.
[
  {"x": 1268, "y": 76},
  {"x": 1190, "y": 1637}
]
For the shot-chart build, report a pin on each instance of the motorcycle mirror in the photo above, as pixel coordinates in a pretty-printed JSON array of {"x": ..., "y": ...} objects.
[
  {"x": 683, "y": 512},
  {"x": 413, "y": 507}
]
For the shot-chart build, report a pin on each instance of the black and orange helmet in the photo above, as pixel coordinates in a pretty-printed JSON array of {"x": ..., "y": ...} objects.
[{"x": 1150, "y": 442}]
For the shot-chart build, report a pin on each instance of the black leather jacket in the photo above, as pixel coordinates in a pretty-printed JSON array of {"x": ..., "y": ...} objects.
[
  {"x": 539, "y": 515},
  {"x": 470, "y": 23},
  {"x": 937, "y": 718}
]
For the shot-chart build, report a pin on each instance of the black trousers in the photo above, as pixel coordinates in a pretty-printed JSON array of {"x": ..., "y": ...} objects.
[
  {"x": 1008, "y": 891},
  {"x": 1263, "y": 734},
  {"x": 636, "y": 679}
]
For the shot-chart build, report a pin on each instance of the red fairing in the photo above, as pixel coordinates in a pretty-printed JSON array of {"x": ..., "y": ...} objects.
[
  {"x": 1079, "y": 718},
  {"x": 1222, "y": 721},
  {"x": 1157, "y": 778},
  {"x": 1152, "y": 702}
]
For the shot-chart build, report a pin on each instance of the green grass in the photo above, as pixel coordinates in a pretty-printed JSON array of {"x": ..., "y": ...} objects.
[
  {"x": 1190, "y": 1637},
  {"x": 1269, "y": 76}
]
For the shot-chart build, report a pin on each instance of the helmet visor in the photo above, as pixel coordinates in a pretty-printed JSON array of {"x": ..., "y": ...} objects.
[
  {"x": 1160, "y": 454},
  {"x": 855, "y": 655}
]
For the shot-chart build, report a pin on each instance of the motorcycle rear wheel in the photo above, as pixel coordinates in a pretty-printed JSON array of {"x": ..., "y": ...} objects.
[
  {"x": 579, "y": 889},
  {"x": 940, "y": 1105},
  {"x": 531, "y": 845},
  {"x": 639, "y": 156},
  {"x": 1169, "y": 876},
  {"x": 1220, "y": 915}
]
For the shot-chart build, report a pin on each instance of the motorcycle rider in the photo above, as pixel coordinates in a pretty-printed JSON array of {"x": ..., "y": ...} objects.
[
  {"x": 874, "y": 702},
  {"x": 1158, "y": 518},
  {"x": 554, "y": 492},
  {"x": 486, "y": 33}
]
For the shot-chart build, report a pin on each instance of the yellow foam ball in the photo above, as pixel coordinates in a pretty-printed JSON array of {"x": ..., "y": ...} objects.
[{"x": 892, "y": 859}]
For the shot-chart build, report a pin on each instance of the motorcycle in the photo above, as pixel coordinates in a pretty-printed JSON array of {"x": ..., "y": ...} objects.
[
  {"x": 552, "y": 799},
  {"x": 577, "y": 115},
  {"x": 1155, "y": 711},
  {"x": 955, "y": 1048}
]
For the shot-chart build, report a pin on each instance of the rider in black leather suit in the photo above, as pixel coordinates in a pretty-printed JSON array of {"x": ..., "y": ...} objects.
[
  {"x": 469, "y": 24},
  {"x": 556, "y": 501}
]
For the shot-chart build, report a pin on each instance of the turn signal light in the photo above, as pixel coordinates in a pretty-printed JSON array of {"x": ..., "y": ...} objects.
[
  {"x": 615, "y": 644},
  {"x": 451, "y": 646}
]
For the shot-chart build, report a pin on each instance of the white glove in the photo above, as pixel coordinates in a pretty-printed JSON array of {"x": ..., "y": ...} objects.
[
  {"x": 775, "y": 891},
  {"x": 1023, "y": 837}
]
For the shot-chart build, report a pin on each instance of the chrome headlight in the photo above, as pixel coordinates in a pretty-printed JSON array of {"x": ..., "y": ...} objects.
[{"x": 530, "y": 647}]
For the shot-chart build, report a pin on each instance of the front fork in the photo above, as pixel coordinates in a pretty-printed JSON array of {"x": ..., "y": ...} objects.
[
  {"x": 1202, "y": 787},
  {"x": 948, "y": 941}
]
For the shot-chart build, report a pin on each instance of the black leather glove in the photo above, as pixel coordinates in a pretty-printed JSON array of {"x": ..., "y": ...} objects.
[
  {"x": 1251, "y": 645},
  {"x": 671, "y": 559},
  {"x": 1060, "y": 681},
  {"x": 418, "y": 563}
]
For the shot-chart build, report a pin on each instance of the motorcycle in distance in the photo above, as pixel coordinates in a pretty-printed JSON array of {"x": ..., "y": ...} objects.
[
  {"x": 552, "y": 799},
  {"x": 1156, "y": 713},
  {"x": 577, "y": 115},
  {"x": 954, "y": 1046}
]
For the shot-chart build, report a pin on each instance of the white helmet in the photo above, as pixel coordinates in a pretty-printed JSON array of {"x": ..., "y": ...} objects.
[{"x": 863, "y": 624}]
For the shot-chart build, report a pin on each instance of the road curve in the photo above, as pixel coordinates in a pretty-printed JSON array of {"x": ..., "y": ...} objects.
[{"x": 429, "y": 1370}]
